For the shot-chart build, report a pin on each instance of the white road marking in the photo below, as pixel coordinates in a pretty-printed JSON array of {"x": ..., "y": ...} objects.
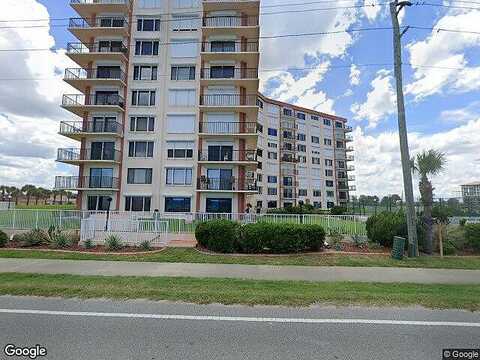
[{"x": 240, "y": 318}]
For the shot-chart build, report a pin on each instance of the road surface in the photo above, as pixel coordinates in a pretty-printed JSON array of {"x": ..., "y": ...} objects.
[{"x": 101, "y": 329}]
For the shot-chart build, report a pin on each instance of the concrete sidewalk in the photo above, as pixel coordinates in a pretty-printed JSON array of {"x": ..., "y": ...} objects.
[{"x": 254, "y": 272}]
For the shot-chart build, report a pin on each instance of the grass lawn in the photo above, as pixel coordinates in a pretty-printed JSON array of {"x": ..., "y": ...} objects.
[
  {"x": 192, "y": 256},
  {"x": 233, "y": 291}
]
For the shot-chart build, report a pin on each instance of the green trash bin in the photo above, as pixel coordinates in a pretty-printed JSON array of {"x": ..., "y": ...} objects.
[{"x": 398, "y": 247}]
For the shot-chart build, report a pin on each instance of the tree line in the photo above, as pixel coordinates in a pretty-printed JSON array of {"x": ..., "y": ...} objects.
[{"x": 31, "y": 192}]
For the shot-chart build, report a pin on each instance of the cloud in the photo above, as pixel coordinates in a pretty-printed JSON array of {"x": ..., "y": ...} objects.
[
  {"x": 461, "y": 115},
  {"x": 354, "y": 75},
  {"x": 378, "y": 169},
  {"x": 445, "y": 50},
  {"x": 380, "y": 102}
]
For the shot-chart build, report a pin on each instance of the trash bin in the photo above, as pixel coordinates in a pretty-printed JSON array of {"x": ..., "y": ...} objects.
[{"x": 398, "y": 247}]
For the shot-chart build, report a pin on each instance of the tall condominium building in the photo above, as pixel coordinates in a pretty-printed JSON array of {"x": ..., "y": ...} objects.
[
  {"x": 471, "y": 195},
  {"x": 170, "y": 117}
]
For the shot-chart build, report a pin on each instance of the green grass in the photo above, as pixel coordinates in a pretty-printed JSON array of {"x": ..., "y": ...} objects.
[
  {"x": 235, "y": 291},
  {"x": 175, "y": 255}
]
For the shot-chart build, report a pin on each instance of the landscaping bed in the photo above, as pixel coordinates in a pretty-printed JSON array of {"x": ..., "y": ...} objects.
[{"x": 100, "y": 249}]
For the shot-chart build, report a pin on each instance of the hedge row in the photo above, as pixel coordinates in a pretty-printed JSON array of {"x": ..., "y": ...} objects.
[{"x": 228, "y": 237}]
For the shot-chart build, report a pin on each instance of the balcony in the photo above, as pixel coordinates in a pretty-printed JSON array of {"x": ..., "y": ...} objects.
[
  {"x": 239, "y": 129},
  {"x": 81, "y": 79},
  {"x": 351, "y": 178},
  {"x": 348, "y": 138},
  {"x": 349, "y": 149},
  {"x": 88, "y": 8},
  {"x": 348, "y": 129},
  {"x": 226, "y": 185},
  {"x": 352, "y": 188},
  {"x": 351, "y": 168},
  {"x": 86, "y": 183},
  {"x": 85, "y": 29},
  {"x": 230, "y": 103},
  {"x": 84, "y": 54},
  {"x": 78, "y": 130},
  {"x": 350, "y": 158},
  {"x": 79, "y": 104},
  {"x": 226, "y": 156},
  {"x": 79, "y": 156},
  {"x": 228, "y": 75},
  {"x": 231, "y": 50},
  {"x": 240, "y": 25}
]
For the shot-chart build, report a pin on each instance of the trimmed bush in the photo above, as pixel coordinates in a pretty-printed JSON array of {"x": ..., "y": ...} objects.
[
  {"x": 472, "y": 236},
  {"x": 381, "y": 228},
  {"x": 113, "y": 243},
  {"x": 3, "y": 239},
  {"x": 217, "y": 235}
]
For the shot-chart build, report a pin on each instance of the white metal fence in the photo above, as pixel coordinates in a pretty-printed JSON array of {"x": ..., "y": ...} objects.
[{"x": 7, "y": 205}]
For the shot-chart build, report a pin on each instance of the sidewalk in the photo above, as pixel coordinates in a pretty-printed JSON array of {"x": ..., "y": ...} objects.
[{"x": 254, "y": 272}]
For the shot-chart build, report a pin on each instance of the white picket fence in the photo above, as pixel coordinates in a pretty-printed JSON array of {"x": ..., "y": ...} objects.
[{"x": 5, "y": 205}]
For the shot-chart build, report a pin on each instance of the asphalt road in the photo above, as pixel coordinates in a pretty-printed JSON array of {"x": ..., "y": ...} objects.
[{"x": 98, "y": 329}]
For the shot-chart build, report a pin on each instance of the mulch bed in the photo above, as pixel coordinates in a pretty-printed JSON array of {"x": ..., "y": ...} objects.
[{"x": 98, "y": 249}]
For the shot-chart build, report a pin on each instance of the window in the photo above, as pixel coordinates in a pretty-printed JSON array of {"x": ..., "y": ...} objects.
[
  {"x": 272, "y": 204},
  {"x": 272, "y": 132},
  {"x": 330, "y": 193},
  {"x": 103, "y": 151},
  {"x": 287, "y": 112},
  {"x": 140, "y": 149},
  {"x": 98, "y": 203},
  {"x": 222, "y": 205},
  {"x": 288, "y": 181},
  {"x": 183, "y": 48},
  {"x": 143, "y": 97},
  {"x": 329, "y": 183},
  {"x": 260, "y": 152},
  {"x": 184, "y": 4},
  {"x": 340, "y": 145},
  {"x": 272, "y": 155},
  {"x": 145, "y": 72},
  {"x": 287, "y": 194},
  {"x": 315, "y": 140},
  {"x": 182, "y": 97},
  {"x": 185, "y": 23},
  {"x": 179, "y": 176},
  {"x": 139, "y": 176},
  {"x": 272, "y": 191},
  {"x": 177, "y": 204},
  {"x": 301, "y": 148},
  {"x": 260, "y": 103},
  {"x": 328, "y": 162},
  {"x": 328, "y": 172},
  {"x": 327, "y": 142},
  {"x": 259, "y": 204},
  {"x": 180, "y": 124},
  {"x": 327, "y": 122},
  {"x": 302, "y": 192},
  {"x": 186, "y": 72},
  {"x": 316, "y": 160},
  {"x": 272, "y": 145},
  {"x": 301, "y": 137},
  {"x": 272, "y": 179},
  {"x": 259, "y": 177},
  {"x": 259, "y": 128},
  {"x": 338, "y": 124},
  {"x": 142, "y": 123},
  {"x": 288, "y": 135},
  {"x": 149, "y": 4},
  {"x": 260, "y": 190},
  {"x": 146, "y": 47},
  {"x": 341, "y": 164},
  {"x": 222, "y": 72},
  {"x": 314, "y": 117},
  {"x": 180, "y": 149},
  {"x": 137, "y": 203},
  {"x": 148, "y": 24},
  {"x": 302, "y": 159},
  {"x": 301, "y": 116},
  {"x": 317, "y": 193}
]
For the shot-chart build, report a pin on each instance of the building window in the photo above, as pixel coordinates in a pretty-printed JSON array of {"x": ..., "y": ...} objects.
[
  {"x": 327, "y": 122},
  {"x": 272, "y": 191},
  {"x": 329, "y": 183},
  {"x": 301, "y": 116},
  {"x": 259, "y": 128},
  {"x": 272, "y": 145},
  {"x": 259, "y": 177},
  {"x": 145, "y": 72},
  {"x": 183, "y": 72},
  {"x": 179, "y": 176},
  {"x": 214, "y": 205},
  {"x": 177, "y": 204},
  {"x": 272, "y": 179},
  {"x": 302, "y": 148},
  {"x": 288, "y": 193},
  {"x": 302, "y": 159},
  {"x": 185, "y": 23},
  {"x": 317, "y": 193},
  {"x": 328, "y": 162},
  {"x": 180, "y": 124},
  {"x": 183, "y": 48},
  {"x": 180, "y": 149},
  {"x": 330, "y": 193},
  {"x": 302, "y": 192},
  {"x": 288, "y": 112},
  {"x": 146, "y": 47},
  {"x": 148, "y": 24},
  {"x": 182, "y": 97},
  {"x": 186, "y": 4},
  {"x": 301, "y": 137},
  {"x": 260, "y": 103},
  {"x": 328, "y": 172},
  {"x": 288, "y": 181},
  {"x": 316, "y": 160},
  {"x": 272, "y": 155},
  {"x": 259, "y": 153},
  {"x": 272, "y": 204},
  {"x": 327, "y": 142},
  {"x": 341, "y": 164},
  {"x": 314, "y": 117},
  {"x": 315, "y": 140},
  {"x": 338, "y": 124},
  {"x": 260, "y": 190},
  {"x": 272, "y": 132},
  {"x": 139, "y": 176},
  {"x": 142, "y": 123},
  {"x": 143, "y": 97},
  {"x": 98, "y": 203},
  {"x": 137, "y": 203},
  {"x": 143, "y": 149},
  {"x": 340, "y": 145}
]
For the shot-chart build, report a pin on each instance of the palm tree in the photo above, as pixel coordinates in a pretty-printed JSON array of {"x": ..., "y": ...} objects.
[
  {"x": 428, "y": 163},
  {"x": 29, "y": 191},
  {"x": 16, "y": 193}
]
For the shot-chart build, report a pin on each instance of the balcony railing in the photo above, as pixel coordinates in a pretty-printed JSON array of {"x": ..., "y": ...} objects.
[
  {"x": 348, "y": 129},
  {"x": 217, "y": 184},
  {"x": 102, "y": 2},
  {"x": 98, "y": 22},
  {"x": 228, "y": 73},
  {"x": 97, "y": 126},
  {"x": 351, "y": 168},
  {"x": 230, "y": 21},
  {"x": 86, "y": 182},
  {"x": 349, "y": 149},
  {"x": 96, "y": 73},
  {"x": 80, "y": 48},
  {"x": 351, "y": 178},
  {"x": 213, "y": 127},
  {"x": 350, "y": 158},
  {"x": 227, "y": 155},
  {"x": 229, "y": 46},
  {"x": 101, "y": 100},
  {"x": 348, "y": 138},
  {"x": 88, "y": 154},
  {"x": 228, "y": 100}
]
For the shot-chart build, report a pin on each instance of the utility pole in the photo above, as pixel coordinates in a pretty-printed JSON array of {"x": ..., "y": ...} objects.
[{"x": 395, "y": 8}]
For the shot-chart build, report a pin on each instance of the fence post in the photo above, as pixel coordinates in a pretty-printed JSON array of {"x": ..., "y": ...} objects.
[
  {"x": 354, "y": 225},
  {"x": 60, "y": 221},
  {"x": 13, "y": 220},
  {"x": 36, "y": 220}
]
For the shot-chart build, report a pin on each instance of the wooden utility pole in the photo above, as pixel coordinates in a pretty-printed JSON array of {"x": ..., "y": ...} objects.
[{"x": 395, "y": 8}]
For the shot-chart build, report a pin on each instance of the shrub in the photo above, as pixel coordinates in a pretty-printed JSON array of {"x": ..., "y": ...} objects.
[
  {"x": 462, "y": 222},
  {"x": 449, "y": 248},
  {"x": 88, "y": 244},
  {"x": 217, "y": 235},
  {"x": 32, "y": 238},
  {"x": 3, "y": 239},
  {"x": 60, "y": 241},
  {"x": 381, "y": 228},
  {"x": 113, "y": 243},
  {"x": 145, "y": 245},
  {"x": 338, "y": 210},
  {"x": 472, "y": 236}
]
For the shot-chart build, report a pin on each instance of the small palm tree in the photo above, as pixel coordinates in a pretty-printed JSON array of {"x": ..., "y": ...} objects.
[{"x": 428, "y": 163}]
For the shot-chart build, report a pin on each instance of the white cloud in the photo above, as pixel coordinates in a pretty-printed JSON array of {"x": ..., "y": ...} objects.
[
  {"x": 461, "y": 115},
  {"x": 30, "y": 110},
  {"x": 447, "y": 50},
  {"x": 380, "y": 102},
  {"x": 378, "y": 165},
  {"x": 354, "y": 75}
]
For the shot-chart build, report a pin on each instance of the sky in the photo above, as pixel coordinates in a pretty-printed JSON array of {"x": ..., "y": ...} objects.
[{"x": 348, "y": 73}]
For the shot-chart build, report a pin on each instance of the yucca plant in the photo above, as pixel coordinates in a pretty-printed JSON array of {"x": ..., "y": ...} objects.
[{"x": 113, "y": 243}]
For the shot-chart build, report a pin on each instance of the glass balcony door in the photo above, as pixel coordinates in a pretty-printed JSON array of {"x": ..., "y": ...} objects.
[
  {"x": 220, "y": 153},
  {"x": 220, "y": 179},
  {"x": 101, "y": 178},
  {"x": 102, "y": 151}
]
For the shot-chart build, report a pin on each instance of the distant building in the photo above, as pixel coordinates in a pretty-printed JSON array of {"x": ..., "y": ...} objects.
[{"x": 471, "y": 195}]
